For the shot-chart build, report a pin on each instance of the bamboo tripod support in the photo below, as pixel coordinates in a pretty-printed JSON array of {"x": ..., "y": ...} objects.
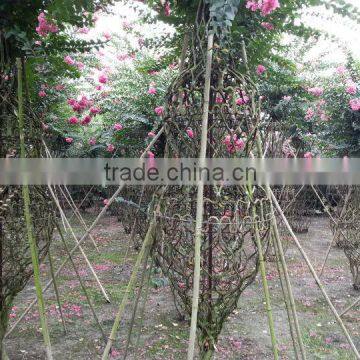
[
  {"x": 318, "y": 281},
  {"x": 56, "y": 200}
]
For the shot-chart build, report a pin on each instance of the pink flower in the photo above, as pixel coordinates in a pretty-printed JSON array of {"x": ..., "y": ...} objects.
[
  {"x": 268, "y": 6},
  {"x": 316, "y": 91},
  {"x": 167, "y": 9},
  {"x": 105, "y": 201},
  {"x": 80, "y": 65},
  {"x": 351, "y": 88},
  {"x": 267, "y": 25},
  {"x": 69, "y": 140},
  {"x": 94, "y": 110},
  {"x": 44, "y": 126},
  {"x": 44, "y": 27},
  {"x": 219, "y": 99},
  {"x": 309, "y": 114},
  {"x": 159, "y": 110},
  {"x": 71, "y": 102},
  {"x": 118, "y": 127},
  {"x": 252, "y": 5},
  {"x": 190, "y": 133},
  {"x": 115, "y": 353},
  {"x": 328, "y": 340},
  {"x": 107, "y": 35},
  {"x": 103, "y": 79},
  {"x": 242, "y": 100},
  {"x": 227, "y": 140},
  {"x": 83, "y": 30},
  {"x": 260, "y": 69},
  {"x": 38, "y": 42},
  {"x": 86, "y": 120},
  {"x": 150, "y": 154},
  {"x": 355, "y": 104},
  {"x": 151, "y": 134},
  {"x": 152, "y": 90},
  {"x": 42, "y": 93},
  {"x": 308, "y": 155},
  {"x": 73, "y": 120},
  {"x": 69, "y": 60},
  {"x": 59, "y": 87},
  {"x": 92, "y": 141},
  {"x": 287, "y": 98},
  {"x": 110, "y": 148},
  {"x": 98, "y": 87},
  {"x": 341, "y": 70}
]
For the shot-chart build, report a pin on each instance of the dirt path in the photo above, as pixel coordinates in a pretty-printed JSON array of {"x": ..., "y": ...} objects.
[{"x": 163, "y": 336}]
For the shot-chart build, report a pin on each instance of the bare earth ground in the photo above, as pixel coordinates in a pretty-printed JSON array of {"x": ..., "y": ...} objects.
[{"x": 163, "y": 336}]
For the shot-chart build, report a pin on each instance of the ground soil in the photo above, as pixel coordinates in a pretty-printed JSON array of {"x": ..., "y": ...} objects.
[{"x": 163, "y": 335}]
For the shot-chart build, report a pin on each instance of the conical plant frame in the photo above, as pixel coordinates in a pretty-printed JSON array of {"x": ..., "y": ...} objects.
[{"x": 233, "y": 216}]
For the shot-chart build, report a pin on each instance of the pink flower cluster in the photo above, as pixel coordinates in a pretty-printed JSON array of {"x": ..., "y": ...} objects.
[
  {"x": 70, "y": 61},
  {"x": 233, "y": 143},
  {"x": 355, "y": 104},
  {"x": 267, "y": 26},
  {"x": 260, "y": 69},
  {"x": 44, "y": 27},
  {"x": 159, "y": 110},
  {"x": 265, "y": 6},
  {"x": 79, "y": 107},
  {"x": 243, "y": 99},
  {"x": 316, "y": 91},
  {"x": 351, "y": 87},
  {"x": 309, "y": 113}
]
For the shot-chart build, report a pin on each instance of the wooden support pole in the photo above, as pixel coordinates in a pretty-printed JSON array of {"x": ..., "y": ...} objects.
[
  {"x": 200, "y": 200},
  {"x": 28, "y": 221}
]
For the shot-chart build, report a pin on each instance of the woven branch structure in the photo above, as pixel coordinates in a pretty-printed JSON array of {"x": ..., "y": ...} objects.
[
  {"x": 349, "y": 226},
  {"x": 229, "y": 254}
]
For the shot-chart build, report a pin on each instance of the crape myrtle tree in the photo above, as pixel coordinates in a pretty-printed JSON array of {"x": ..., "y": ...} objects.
[{"x": 33, "y": 37}]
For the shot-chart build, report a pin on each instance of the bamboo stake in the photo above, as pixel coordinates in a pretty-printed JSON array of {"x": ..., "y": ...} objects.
[
  {"x": 278, "y": 240},
  {"x": 143, "y": 255},
  {"x": 286, "y": 299},
  {"x": 29, "y": 224},
  {"x": 265, "y": 288},
  {"x": 132, "y": 321},
  {"x": 318, "y": 281},
  {"x": 142, "y": 312},
  {"x": 56, "y": 291},
  {"x": 83, "y": 287},
  {"x": 47, "y": 286},
  {"x": 357, "y": 301},
  {"x": 80, "y": 248},
  {"x": 200, "y": 200}
]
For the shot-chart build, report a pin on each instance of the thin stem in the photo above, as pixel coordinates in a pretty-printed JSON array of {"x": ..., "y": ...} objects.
[
  {"x": 200, "y": 201},
  {"x": 265, "y": 287},
  {"x": 56, "y": 291},
  {"x": 28, "y": 221}
]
